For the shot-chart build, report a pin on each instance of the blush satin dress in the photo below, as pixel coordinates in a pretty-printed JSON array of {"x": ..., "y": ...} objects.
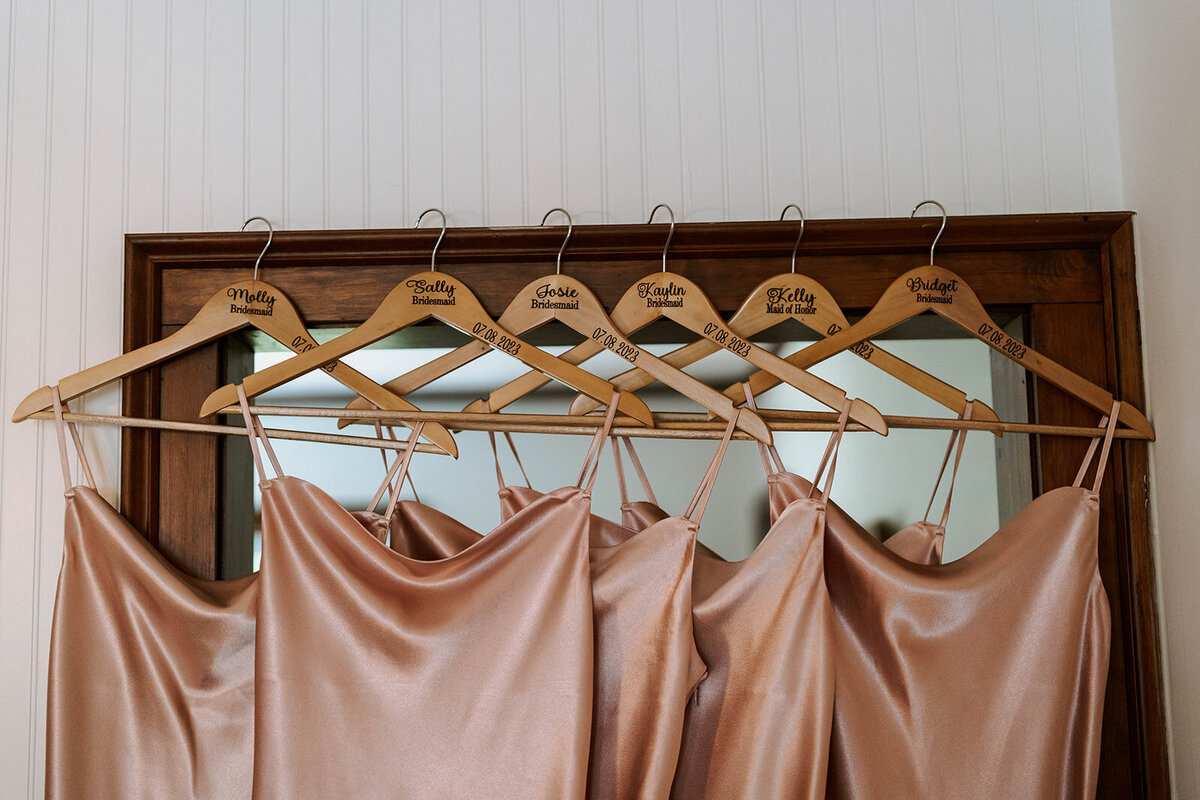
[
  {"x": 646, "y": 662},
  {"x": 151, "y": 683},
  {"x": 760, "y": 724},
  {"x": 383, "y": 676},
  {"x": 981, "y": 678}
]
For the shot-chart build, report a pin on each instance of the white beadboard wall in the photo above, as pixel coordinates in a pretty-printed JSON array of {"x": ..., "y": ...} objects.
[{"x": 153, "y": 115}]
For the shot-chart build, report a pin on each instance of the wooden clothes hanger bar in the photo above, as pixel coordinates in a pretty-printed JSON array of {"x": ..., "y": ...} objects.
[
  {"x": 671, "y": 425},
  {"x": 936, "y": 289},
  {"x": 251, "y": 303},
  {"x": 795, "y": 296},
  {"x": 237, "y": 430}
]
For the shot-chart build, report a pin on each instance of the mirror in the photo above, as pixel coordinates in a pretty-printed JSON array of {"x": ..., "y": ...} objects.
[{"x": 994, "y": 479}]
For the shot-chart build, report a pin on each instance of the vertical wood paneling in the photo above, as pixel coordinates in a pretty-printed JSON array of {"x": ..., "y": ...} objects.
[
  {"x": 21, "y": 502},
  {"x": 784, "y": 140},
  {"x": 147, "y": 178},
  {"x": 344, "y": 157},
  {"x": 503, "y": 120},
  {"x": 741, "y": 112},
  {"x": 544, "y": 115},
  {"x": 223, "y": 187},
  {"x": 904, "y": 148},
  {"x": 821, "y": 122},
  {"x": 265, "y": 110},
  {"x": 1063, "y": 134},
  {"x": 662, "y": 101},
  {"x": 423, "y": 142},
  {"x": 307, "y": 198},
  {"x": 134, "y": 115},
  {"x": 385, "y": 116},
  {"x": 462, "y": 113},
  {"x": 705, "y": 170},
  {"x": 979, "y": 91},
  {"x": 861, "y": 107},
  {"x": 186, "y": 122},
  {"x": 1022, "y": 107}
]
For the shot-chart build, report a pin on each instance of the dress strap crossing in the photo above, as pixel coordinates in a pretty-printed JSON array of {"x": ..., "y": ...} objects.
[
  {"x": 256, "y": 434},
  {"x": 767, "y": 452},
  {"x": 397, "y": 473},
  {"x": 391, "y": 433},
  {"x": 1111, "y": 422},
  {"x": 592, "y": 460},
  {"x": 393, "y": 489},
  {"x": 704, "y": 491},
  {"x": 829, "y": 457},
  {"x": 500, "y": 482},
  {"x": 959, "y": 435},
  {"x": 637, "y": 466},
  {"x": 59, "y": 425}
]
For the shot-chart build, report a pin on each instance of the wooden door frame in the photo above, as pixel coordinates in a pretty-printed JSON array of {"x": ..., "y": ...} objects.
[{"x": 1073, "y": 275}]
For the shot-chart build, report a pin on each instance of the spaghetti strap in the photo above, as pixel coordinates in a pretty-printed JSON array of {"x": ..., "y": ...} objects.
[
  {"x": 68, "y": 482},
  {"x": 500, "y": 482},
  {"x": 401, "y": 465},
  {"x": 592, "y": 461},
  {"x": 831, "y": 451},
  {"x": 704, "y": 491},
  {"x": 386, "y": 486},
  {"x": 1111, "y": 422},
  {"x": 764, "y": 450},
  {"x": 959, "y": 435},
  {"x": 637, "y": 465},
  {"x": 256, "y": 433}
]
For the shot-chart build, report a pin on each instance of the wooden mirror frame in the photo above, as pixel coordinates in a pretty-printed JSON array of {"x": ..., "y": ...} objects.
[{"x": 1070, "y": 275}]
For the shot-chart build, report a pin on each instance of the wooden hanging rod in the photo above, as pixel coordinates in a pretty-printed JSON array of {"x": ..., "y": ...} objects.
[
  {"x": 669, "y": 425},
  {"x": 236, "y": 430}
]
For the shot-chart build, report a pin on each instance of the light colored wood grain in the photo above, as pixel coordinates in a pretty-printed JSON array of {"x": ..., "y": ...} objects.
[
  {"x": 672, "y": 424},
  {"x": 425, "y": 295},
  {"x": 233, "y": 430},
  {"x": 799, "y": 297},
  {"x": 568, "y": 300},
  {"x": 669, "y": 295},
  {"x": 251, "y": 303},
  {"x": 936, "y": 289}
]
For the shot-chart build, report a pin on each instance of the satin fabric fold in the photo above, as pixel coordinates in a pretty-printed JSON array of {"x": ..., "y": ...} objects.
[
  {"x": 646, "y": 663},
  {"x": 151, "y": 682},
  {"x": 385, "y": 676},
  {"x": 760, "y": 725}
]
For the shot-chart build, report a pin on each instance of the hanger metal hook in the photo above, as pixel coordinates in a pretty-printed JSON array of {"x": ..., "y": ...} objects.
[
  {"x": 570, "y": 228},
  {"x": 795, "y": 249},
  {"x": 941, "y": 208},
  {"x": 438, "y": 243},
  {"x": 267, "y": 246},
  {"x": 669, "y": 234}
]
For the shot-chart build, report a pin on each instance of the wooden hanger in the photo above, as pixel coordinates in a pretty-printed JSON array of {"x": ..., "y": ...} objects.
[
  {"x": 444, "y": 298},
  {"x": 794, "y": 296},
  {"x": 933, "y": 288},
  {"x": 566, "y": 299},
  {"x": 667, "y": 294},
  {"x": 251, "y": 303}
]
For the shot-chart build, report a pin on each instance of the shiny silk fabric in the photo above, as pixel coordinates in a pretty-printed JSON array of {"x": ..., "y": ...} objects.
[
  {"x": 760, "y": 725},
  {"x": 978, "y": 679},
  {"x": 151, "y": 687},
  {"x": 382, "y": 676},
  {"x": 646, "y": 663}
]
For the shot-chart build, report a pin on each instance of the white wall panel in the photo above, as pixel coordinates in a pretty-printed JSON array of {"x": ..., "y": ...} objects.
[{"x": 139, "y": 115}]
